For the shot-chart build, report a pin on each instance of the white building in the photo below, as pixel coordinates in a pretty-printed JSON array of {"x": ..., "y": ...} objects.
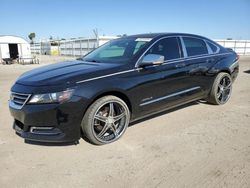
[{"x": 14, "y": 47}]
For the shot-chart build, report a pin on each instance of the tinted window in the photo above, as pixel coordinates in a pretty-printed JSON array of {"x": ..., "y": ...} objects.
[
  {"x": 167, "y": 47},
  {"x": 195, "y": 46},
  {"x": 213, "y": 47}
]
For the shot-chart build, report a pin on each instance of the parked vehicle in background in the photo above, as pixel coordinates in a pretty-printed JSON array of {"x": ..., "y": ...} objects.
[{"x": 122, "y": 81}]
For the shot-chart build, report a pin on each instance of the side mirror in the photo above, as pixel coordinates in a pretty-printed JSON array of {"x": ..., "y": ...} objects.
[{"x": 151, "y": 59}]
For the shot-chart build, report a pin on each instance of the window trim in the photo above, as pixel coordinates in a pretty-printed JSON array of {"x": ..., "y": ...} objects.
[
  {"x": 217, "y": 50},
  {"x": 210, "y": 51},
  {"x": 183, "y": 48}
]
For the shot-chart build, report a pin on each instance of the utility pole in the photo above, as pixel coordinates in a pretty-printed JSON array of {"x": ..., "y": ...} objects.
[{"x": 96, "y": 36}]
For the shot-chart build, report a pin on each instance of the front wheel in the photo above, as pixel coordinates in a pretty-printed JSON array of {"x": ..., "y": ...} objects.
[
  {"x": 106, "y": 120},
  {"x": 221, "y": 89}
]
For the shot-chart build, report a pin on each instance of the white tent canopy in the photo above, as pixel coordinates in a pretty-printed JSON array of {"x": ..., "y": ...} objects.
[
  {"x": 14, "y": 47},
  {"x": 12, "y": 39}
]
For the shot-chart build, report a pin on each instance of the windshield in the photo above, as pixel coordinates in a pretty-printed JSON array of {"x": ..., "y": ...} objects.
[{"x": 117, "y": 51}]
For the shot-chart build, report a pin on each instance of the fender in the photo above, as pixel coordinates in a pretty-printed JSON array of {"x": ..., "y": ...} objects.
[{"x": 227, "y": 64}]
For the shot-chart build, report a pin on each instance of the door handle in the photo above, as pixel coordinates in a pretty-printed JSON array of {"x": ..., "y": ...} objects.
[{"x": 179, "y": 65}]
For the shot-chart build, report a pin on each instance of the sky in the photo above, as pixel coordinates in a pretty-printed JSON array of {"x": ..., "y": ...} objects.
[{"x": 216, "y": 19}]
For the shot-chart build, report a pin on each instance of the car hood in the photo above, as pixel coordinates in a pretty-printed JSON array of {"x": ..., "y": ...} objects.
[{"x": 65, "y": 73}]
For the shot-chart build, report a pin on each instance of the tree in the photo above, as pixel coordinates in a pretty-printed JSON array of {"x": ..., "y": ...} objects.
[
  {"x": 96, "y": 33},
  {"x": 32, "y": 36}
]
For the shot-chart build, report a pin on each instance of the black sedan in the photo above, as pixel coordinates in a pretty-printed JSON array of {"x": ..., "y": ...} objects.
[{"x": 124, "y": 80}]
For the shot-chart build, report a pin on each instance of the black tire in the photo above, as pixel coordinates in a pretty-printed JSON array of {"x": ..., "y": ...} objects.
[
  {"x": 99, "y": 121},
  {"x": 221, "y": 89}
]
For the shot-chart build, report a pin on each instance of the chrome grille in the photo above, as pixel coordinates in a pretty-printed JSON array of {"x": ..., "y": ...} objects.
[{"x": 19, "y": 99}]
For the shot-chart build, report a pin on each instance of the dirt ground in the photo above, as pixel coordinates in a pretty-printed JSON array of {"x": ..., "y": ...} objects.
[{"x": 199, "y": 145}]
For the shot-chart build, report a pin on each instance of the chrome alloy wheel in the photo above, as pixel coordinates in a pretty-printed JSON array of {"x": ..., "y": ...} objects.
[
  {"x": 224, "y": 89},
  {"x": 110, "y": 121}
]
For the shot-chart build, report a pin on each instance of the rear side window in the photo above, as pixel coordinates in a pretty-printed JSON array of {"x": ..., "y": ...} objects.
[
  {"x": 168, "y": 47},
  {"x": 195, "y": 46},
  {"x": 214, "y": 48}
]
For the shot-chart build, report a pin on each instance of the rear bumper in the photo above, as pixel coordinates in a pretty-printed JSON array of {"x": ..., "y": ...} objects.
[
  {"x": 49, "y": 122},
  {"x": 235, "y": 74},
  {"x": 235, "y": 70}
]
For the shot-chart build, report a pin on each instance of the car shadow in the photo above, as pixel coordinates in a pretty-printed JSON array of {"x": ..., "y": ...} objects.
[{"x": 247, "y": 71}]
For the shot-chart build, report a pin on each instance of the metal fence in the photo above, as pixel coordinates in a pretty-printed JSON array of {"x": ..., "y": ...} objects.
[
  {"x": 81, "y": 46},
  {"x": 78, "y": 47},
  {"x": 242, "y": 47},
  {"x": 72, "y": 47}
]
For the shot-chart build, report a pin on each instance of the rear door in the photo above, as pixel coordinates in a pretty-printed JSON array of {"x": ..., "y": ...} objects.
[{"x": 198, "y": 61}]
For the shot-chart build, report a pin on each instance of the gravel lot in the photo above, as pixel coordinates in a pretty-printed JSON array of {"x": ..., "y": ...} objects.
[{"x": 198, "y": 145}]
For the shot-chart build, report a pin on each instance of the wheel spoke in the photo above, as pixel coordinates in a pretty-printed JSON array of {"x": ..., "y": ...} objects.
[
  {"x": 111, "y": 109},
  {"x": 228, "y": 86},
  {"x": 224, "y": 97},
  {"x": 113, "y": 128},
  {"x": 101, "y": 118},
  {"x": 220, "y": 86},
  {"x": 103, "y": 131},
  {"x": 219, "y": 94},
  {"x": 224, "y": 82},
  {"x": 116, "y": 118}
]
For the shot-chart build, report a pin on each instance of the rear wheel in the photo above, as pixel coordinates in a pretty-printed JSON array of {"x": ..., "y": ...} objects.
[
  {"x": 221, "y": 90},
  {"x": 106, "y": 120}
]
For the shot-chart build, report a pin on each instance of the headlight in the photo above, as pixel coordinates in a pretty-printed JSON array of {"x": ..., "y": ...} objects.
[{"x": 57, "y": 97}]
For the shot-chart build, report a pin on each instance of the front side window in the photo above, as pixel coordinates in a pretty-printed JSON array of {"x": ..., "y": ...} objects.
[
  {"x": 168, "y": 47},
  {"x": 195, "y": 46},
  {"x": 117, "y": 51}
]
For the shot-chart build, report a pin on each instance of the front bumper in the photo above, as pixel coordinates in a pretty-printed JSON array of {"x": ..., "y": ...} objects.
[{"x": 49, "y": 122}]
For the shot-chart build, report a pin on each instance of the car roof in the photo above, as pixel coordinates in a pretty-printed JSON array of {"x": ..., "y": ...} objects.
[{"x": 156, "y": 35}]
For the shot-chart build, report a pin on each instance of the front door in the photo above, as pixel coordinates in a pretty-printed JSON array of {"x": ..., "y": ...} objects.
[{"x": 166, "y": 85}]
